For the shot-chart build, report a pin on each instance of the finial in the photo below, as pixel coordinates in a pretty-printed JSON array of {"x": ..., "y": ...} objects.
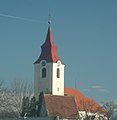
[{"x": 49, "y": 21}]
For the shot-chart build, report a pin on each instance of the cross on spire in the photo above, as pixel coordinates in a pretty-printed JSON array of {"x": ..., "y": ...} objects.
[{"x": 49, "y": 21}]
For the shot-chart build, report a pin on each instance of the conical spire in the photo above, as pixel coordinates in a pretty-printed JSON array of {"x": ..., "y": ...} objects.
[{"x": 48, "y": 49}]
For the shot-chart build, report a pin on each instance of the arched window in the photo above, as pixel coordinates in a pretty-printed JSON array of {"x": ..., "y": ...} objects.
[
  {"x": 43, "y": 72},
  {"x": 58, "y": 73}
]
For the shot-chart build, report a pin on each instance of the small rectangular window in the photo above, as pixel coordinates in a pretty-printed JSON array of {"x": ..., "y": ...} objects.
[{"x": 57, "y": 89}]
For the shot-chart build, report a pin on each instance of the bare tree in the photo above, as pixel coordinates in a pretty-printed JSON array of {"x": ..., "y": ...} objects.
[
  {"x": 110, "y": 107},
  {"x": 1, "y": 87},
  {"x": 11, "y": 99},
  {"x": 5, "y": 101},
  {"x": 86, "y": 106},
  {"x": 19, "y": 89},
  {"x": 90, "y": 106},
  {"x": 1, "y": 94}
]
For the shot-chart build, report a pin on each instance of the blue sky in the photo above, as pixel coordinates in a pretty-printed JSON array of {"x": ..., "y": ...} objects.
[{"x": 85, "y": 32}]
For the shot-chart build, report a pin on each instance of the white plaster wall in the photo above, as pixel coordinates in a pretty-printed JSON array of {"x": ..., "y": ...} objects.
[
  {"x": 58, "y": 83},
  {"x": 41, "y": 84},
  {"x": 36, "y": 81},
  {"x": 51, "y": 82}
]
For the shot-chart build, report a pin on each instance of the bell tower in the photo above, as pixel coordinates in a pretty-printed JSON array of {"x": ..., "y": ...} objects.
[{"x": 49, "y": 69}]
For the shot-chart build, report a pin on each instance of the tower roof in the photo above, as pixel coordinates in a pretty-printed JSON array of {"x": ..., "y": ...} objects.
[{"x": 48, "y": 49}]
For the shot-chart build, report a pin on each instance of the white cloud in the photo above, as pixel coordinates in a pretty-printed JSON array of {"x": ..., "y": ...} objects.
[
  {"x": 85, "y": 90},
  {"x": 103, "y": 90},
  {"x": 97, "y": 87},
  {"x": 100, "y": 88}
]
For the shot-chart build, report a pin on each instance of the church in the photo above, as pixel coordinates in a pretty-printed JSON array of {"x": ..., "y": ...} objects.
[
  {"x": 49, "y": 69},
  {"x": 49, "y": 78}
]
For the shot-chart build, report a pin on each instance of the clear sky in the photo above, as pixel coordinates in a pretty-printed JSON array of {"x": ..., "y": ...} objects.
[{"x": 85, "y": 32}]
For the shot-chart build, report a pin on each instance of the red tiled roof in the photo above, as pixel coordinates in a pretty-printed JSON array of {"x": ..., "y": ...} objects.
[
  {"x": 48, "y": 49},
  {"x": 62, "y": 106},
  {"x": 84, "y": 103}
]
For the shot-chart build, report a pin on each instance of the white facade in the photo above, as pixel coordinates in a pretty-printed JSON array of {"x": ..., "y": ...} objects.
[{"x": 49, "y": 77}]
